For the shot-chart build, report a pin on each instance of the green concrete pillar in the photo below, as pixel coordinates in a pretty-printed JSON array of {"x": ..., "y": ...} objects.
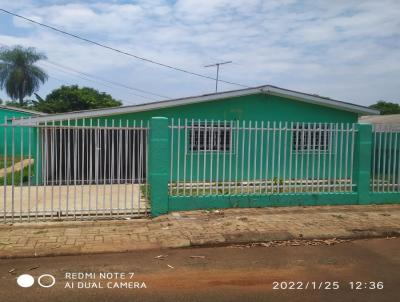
[
  {"x": 159, "y": 165},
  {"x": 363, "y": 162}
]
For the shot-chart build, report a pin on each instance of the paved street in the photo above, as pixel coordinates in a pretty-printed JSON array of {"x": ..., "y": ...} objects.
[
  {"x": 199, "y": 228},
  {"x": 233, "y": 273}
]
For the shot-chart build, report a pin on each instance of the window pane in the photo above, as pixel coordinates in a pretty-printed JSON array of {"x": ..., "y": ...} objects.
[
  {"x": 310, "y": 138},
  {"x": 207, "y": 138}
]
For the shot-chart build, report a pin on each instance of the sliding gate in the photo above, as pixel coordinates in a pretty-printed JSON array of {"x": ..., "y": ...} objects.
[{"x": 74, "y": 171}]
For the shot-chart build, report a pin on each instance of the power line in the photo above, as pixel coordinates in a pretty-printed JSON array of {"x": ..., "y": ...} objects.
[
  {"x": 57, "y": 79},
  {"x": 105, "y": 80},
  {"x": 89, "y": 79},
  {"x": 88, "y": 76},
  {"x": 118, "y": 50}
]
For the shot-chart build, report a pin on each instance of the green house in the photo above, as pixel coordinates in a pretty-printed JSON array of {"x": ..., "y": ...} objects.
[
  {"x": 218, "y": 115},
  {"x": 19, "y": 135}
]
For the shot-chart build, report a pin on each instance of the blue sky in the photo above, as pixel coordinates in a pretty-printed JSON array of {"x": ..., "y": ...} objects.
[{"x": 344, "y": 49}]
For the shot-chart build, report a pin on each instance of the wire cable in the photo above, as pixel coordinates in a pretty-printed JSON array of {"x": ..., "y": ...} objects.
[
  {"x": 105, "y": 80},
  {"x": 120, "y": 51},
  {"x": 70, "y": 73},
  {"x": 102, "y": 79}
]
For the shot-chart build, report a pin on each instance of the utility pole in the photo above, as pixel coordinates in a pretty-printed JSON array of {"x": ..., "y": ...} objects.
[{"x": 217, "y": 64}]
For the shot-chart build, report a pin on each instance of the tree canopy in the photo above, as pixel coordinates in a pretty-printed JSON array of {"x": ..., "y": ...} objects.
[
  {"x": 386, "y": 107},
  {"x": 74, "y": 98},
  {"x": 19, "y": 75}
]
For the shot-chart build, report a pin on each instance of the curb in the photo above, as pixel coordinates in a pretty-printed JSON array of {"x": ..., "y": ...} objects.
[{"x": 223, "y": 240}]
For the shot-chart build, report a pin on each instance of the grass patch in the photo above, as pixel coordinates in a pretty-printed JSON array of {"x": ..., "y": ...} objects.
[
  {"x": 8, "y": 162},
  {"x": 24, "y": 174},
  {"x": 145, "y": 190}
]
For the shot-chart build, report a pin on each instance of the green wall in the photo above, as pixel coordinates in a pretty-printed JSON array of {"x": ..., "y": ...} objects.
[
  {"x": 19, "y": 135},
  {"x": 253, "y": 107},
  {"x": 259, "y": 107}
]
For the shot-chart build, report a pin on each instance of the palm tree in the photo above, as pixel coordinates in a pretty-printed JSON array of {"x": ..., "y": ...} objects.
[{"x": 19, "y": 75}]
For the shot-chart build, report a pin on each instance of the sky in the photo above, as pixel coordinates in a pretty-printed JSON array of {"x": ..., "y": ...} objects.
[{"x": 344, "y": 49}]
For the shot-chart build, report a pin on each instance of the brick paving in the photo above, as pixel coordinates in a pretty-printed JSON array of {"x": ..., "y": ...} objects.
[{"x": 195, "y": 228}]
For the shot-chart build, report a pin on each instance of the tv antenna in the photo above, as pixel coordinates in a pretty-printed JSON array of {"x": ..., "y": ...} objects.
[{"x": 217, "y": 65}]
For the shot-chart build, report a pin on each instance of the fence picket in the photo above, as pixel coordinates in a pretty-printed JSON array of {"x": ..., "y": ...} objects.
[
  {"x": 271, "y": 158},
  {"x": 386, "y": 158},
  {"x": 69, "y": 167}
]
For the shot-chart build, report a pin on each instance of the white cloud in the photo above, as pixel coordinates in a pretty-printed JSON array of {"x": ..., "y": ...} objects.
[{"x": 325, "y": 47}]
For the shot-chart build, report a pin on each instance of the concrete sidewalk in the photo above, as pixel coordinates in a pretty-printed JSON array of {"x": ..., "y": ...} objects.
[{"x": 196, "y": 228}]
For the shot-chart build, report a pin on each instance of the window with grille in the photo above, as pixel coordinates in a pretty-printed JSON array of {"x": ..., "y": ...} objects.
[
  {"x": 311, "y": 137},
  {"x": 204, "y": 137}
]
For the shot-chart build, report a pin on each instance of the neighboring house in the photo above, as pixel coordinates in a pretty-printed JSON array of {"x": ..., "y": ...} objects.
[
  {"x": 388, "y": 122},
  {"x": 11, "y": 112},
  {"x": 7, "y": 113},
  {"x": 265, "y": 103}
]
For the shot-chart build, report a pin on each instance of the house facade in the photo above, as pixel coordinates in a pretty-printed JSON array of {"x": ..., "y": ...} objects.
[{"x": 242, "y": 124}]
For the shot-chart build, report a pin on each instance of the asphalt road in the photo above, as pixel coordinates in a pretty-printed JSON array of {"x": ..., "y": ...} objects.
[{"x": 224, "y": 274}]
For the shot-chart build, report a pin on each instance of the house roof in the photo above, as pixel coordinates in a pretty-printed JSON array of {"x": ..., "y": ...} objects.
[
  {"x": 381, "y": 119},
  {"x": 12, "y": 108},
  {"x": 390, "y": 122},
  {"x": 267, "y": 89}
]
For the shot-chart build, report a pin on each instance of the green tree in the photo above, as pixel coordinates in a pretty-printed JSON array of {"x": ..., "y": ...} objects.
[
  {"x": 19, "y": 75},
  {"x": 386, "y": 107},
  {"x": 74, "y": 98}
]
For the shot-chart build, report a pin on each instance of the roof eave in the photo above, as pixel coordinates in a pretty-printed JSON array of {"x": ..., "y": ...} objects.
[
  {"x": 317, "y": 100},
  {"x": 141, "y": 107},
  {"x": 267, "y": 89},
  {"x": 12, "y": 108}
]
